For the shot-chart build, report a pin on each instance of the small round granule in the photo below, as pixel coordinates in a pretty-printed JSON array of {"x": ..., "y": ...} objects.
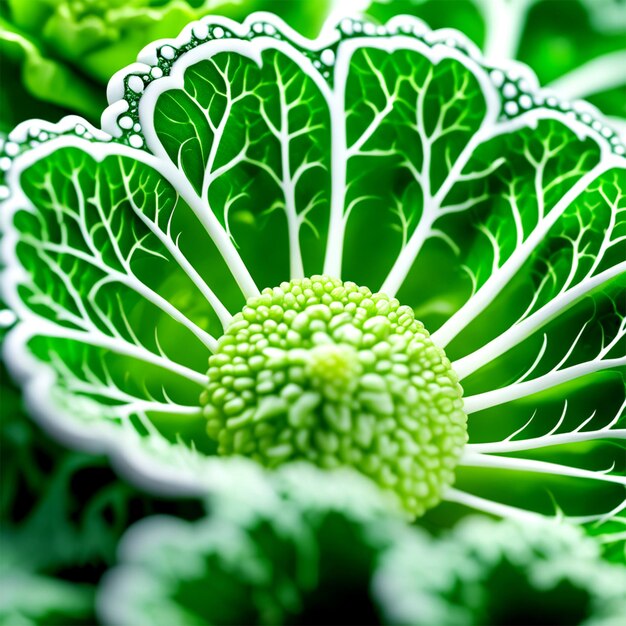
[{"x": 328, "y": 372}]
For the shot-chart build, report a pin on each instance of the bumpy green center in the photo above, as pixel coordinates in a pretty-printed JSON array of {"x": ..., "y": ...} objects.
[{"x": 326, "y": 371}]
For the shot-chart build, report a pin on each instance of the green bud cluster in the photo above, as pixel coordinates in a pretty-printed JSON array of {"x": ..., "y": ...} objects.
[{"x": 328, "y": 372}]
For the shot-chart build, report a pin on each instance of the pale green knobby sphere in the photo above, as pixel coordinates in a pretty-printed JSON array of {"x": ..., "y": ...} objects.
[{"x": 325, "y": 371}]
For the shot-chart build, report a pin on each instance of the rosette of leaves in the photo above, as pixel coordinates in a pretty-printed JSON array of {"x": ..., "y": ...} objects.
[
  {"x": 296, "y": 546},
  {"x": 512, "y": 572},
  {"x": 334, "y": 192},
  {"x": 545, "y": 35},
  {"x": 62, "y": 52}
]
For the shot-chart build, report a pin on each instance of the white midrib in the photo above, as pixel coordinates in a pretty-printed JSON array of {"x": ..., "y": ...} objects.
[
  {"x": 100, "y": 340},
  {"x": 499, "y": 279},
  {"x": 222, "y": 313},
  {"x": 489, "y": 399},
  {"x": 219, "y": 131},
  {"x": 409, "y": 253},
  {"x": 220, "y": 310},
  {"x": 169, "y": 309},
  {"x": 202, "y": 210},
  {"x": 146, "y": 406},
  {"x": 432, "y": 205},
  {"x": 546, "y": 441},
  {"x": 517, "y": 333},
  {"x": 489, "y": 506},
  {"x": 296, "y": 267},
  {"x": 474, "y": 459},
  {"x": 229, "y": 253},
  {"x": 339, "y": 158}
]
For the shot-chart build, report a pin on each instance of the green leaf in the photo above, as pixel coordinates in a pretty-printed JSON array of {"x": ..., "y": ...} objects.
[
  {"x": 130, "y": 319},
  {"x": 235, "y": 122},
  {"x": 409, "y": 115},
  {"x": 543, "y": 34},
  {"x": 64, "y": 51},
  {"x": 45, "y": 79},
  {"x": 239, "y": 156}
]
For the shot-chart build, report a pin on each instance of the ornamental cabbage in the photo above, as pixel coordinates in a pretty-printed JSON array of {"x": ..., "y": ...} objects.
[{"x": 297, "y": 249}]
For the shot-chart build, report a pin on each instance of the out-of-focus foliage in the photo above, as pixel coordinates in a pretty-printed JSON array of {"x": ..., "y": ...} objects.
[
  {"x": 28, "y": 598},
  {"x": 298, "y": 548},
  {"x": 524, "y": 572},
  {"x": 611, "y": 537},
  {"x": 61, "y": 516},
  {"x": 58, "y": 55}
]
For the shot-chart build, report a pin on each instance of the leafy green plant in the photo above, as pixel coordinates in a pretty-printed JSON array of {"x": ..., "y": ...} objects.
[
  {"x": 64, "y": 510},
  {"x": 242, "y": 156}
]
